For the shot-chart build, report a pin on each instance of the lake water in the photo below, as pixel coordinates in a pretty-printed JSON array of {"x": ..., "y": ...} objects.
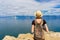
[{"x": 22, "y": 24}]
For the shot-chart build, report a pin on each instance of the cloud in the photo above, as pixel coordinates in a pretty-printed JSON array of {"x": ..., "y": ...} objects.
[
  {"x": 57, "y": 6},
  {"x": 43, "y": 0},
  {"x": 27, "y": 7}
]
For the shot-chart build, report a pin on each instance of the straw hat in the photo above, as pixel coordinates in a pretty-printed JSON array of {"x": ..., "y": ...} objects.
[{"x": 38, "y": 14}]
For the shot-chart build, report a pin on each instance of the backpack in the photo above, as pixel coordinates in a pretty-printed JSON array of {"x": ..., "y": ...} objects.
[{"x": 38, "y": 30}]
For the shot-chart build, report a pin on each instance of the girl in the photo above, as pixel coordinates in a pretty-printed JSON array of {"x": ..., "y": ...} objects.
[{"x": 38, "y": 25}]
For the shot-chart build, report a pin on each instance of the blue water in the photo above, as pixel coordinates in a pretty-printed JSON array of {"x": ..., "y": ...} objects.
[{"x": 22, "y": 24}]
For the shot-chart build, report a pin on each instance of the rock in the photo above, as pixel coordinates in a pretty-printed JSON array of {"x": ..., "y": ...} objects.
[
  {"x": 9, "y": 38},
  {"x": 28, "y": 36},
  {"x": 52, "y": 36}
]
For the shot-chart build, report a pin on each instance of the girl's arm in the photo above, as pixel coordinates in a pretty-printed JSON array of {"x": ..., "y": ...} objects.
[
  {"x": 46, "y": 28},
  {"x": 32, "y": 29}
]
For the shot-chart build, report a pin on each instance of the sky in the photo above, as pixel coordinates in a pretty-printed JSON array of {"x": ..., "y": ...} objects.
[{"x": 28, "y": 7}]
